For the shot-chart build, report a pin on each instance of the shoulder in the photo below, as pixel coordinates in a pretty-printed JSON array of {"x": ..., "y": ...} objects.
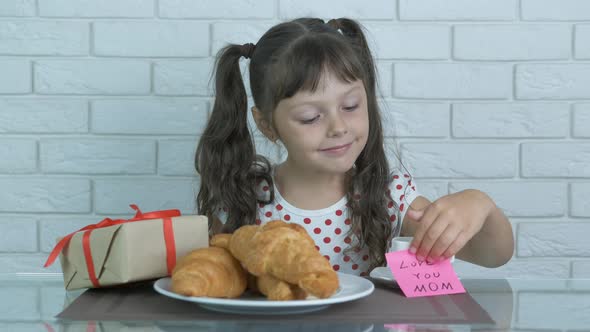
[
  {"x": 402, "y": 191},
  {"x": 401, "y": 185},
  {"x": 263, "y": 189}
]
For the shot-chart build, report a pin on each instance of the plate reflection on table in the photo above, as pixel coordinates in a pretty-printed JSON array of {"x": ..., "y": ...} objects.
[{"x": 351, "y": 288}]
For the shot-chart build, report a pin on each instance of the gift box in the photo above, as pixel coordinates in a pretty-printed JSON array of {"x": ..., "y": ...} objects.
[{"x": 114, "y": 252}]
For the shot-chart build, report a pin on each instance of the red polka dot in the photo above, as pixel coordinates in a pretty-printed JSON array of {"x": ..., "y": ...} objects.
[
  {"x": 392, "y": 218},
  {"x": 410, "y": 182},
  {"x": 258, "y": 222},
  {"x": 401, "y": 207},
  {"x": 327, "y": 257},
  {"x": 347, "y": 222},
  {"x": 346, "y": 258},
  {"x": 261, "y": 205},
  {"x": 355, "y": 266},
  {"x": 388, "y": 192},
  {"x": 317, "y": 230},
  {"x": 336, "y": 267},
  {"x": 327, "y": 240},
  {"x": 396, "y": 177},
  {"x": 398, "y": 187},
  {"x": 347, "y": 240},
  {"x": 287, "y": 217},
  {"x": 338, "y": 212},
  {"x": 413, "y": 188},
  {"x": 390, "y": 204},
  {"x": 357, "y": 250},
  {"x": 337, "y": 231},
  {"x": 307, "y": 221},
  {"x": 317, "y": 248},
  {"x": 337, "y": 249},
  {"x": 328, "y": 222},
  {"x": 365, "y": 257},
  {"x": 279, "y": 207},
  {"x": 268, "y": 214},
  {"x": 265, "y": 188},
  {"x": 406, "y": 176},
  {"x": 401, "y": 198}
]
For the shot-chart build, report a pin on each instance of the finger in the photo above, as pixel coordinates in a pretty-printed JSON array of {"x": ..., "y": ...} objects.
[
  {"x": 430, "y": 214},
  {"x": 431, "y": 236},
  {"x": 415, "y": 214},
  {"x": 428, "y": 217},
  {"x": 443, "y": 242},
  {"x": 457, "y": 245}
]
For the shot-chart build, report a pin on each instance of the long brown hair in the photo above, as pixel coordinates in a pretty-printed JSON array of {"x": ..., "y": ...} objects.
[{"x": 288, "y": 58}]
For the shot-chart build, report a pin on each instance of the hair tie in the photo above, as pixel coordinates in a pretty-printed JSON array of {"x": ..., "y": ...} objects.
[
  {"x": 335, "y": 23},
  {"x": 246, "y": 50}
]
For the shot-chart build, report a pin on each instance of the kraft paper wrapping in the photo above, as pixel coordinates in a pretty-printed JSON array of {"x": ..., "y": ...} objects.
[{"x": 131, "y": 251}]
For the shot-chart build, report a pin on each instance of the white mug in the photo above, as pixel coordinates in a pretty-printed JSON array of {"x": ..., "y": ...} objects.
[{"x": 403, "y": 243}]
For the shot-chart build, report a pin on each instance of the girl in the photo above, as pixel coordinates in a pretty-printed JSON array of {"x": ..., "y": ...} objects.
[{"x": 313, "y": 85}]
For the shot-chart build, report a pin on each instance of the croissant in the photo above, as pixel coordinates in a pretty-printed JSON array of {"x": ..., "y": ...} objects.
[
  {"x": 220, "y": 240},
  {"x": 286, "y": 252},
  {"x": 278, "y": 290},
  {"x": 211, "y": 272},
  {"x": 274, "y": 289}
]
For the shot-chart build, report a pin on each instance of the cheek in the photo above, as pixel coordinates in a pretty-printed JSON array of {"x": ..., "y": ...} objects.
[
  {"x": 299, "y": 139},
  {"x": 362, "y": 129},
  {"x": 309, "y": 140},
  {"x": 360, "y": 122}
]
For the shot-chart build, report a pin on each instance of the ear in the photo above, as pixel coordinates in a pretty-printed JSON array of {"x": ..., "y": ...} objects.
[{"x": 263, "y": 125}]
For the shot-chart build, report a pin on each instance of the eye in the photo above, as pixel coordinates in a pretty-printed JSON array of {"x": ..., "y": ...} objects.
[
  {"x": 351, "y": 108},
  {"x": 309, "y": 121}
]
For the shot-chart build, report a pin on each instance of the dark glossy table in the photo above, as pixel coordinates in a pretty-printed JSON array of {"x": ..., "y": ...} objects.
[{"x": 30, "y": 302}]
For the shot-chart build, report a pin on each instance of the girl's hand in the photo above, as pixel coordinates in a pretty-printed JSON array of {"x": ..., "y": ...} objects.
[{"x": 447, "y": 224}]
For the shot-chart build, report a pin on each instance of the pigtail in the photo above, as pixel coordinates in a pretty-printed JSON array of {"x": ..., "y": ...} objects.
[
  {"x": 225, "y": 154},
  {"x": 370, "y": 218}
]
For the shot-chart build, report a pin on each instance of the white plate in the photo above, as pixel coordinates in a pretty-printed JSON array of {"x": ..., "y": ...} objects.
[
  {"x": 383, "y": 274},
  {"x": 351, "y": 288}
]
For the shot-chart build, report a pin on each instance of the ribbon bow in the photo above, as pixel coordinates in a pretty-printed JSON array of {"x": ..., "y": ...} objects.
[{"x": 166, "y": 215}]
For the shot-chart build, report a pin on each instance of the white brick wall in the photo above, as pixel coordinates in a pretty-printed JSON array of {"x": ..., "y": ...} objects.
[
  {"x": 555, "y": 10},
  {"x": 102, "y": 103},
  {"x": 151, "y": 39},
  {"x": 19, "y": 8},
  {"x": 456, "y": 10},
  {"x": 44, "y": 38},
  {"x": 512, "y": 42},
  {"x": 582, "y": 44}
]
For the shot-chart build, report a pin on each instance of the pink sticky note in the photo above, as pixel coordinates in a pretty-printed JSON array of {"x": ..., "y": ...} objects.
[
  {"x": 417, "y": 278},
  {"x": 400, "y": 327}
]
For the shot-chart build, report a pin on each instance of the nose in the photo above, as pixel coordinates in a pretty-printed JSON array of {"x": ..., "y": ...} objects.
[{"x": 337, "y": 125}]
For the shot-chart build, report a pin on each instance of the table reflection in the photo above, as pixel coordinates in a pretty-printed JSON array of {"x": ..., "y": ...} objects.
[{"x": 31, "y": 304}]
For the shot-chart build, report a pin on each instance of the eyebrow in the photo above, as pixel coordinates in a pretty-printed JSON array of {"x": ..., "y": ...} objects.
[{"x": 356, "y": 87}]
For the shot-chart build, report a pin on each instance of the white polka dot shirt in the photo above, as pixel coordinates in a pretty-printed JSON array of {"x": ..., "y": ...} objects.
[{"x": 329, "y": 226}]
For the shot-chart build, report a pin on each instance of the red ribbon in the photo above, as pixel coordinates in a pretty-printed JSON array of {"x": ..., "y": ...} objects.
[
  {"x": 166, "y": 215},
  {"x": 90, "y": 327}
]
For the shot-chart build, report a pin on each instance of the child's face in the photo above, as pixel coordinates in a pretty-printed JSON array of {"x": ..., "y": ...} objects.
[{"x": 327, "y": 130}]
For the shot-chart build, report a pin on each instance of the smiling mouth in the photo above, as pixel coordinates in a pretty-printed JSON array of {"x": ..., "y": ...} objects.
[{"x": 336, "y": 148}]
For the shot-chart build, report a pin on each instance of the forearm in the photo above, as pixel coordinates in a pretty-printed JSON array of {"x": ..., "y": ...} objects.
[{"x": 493, "y": 245}]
